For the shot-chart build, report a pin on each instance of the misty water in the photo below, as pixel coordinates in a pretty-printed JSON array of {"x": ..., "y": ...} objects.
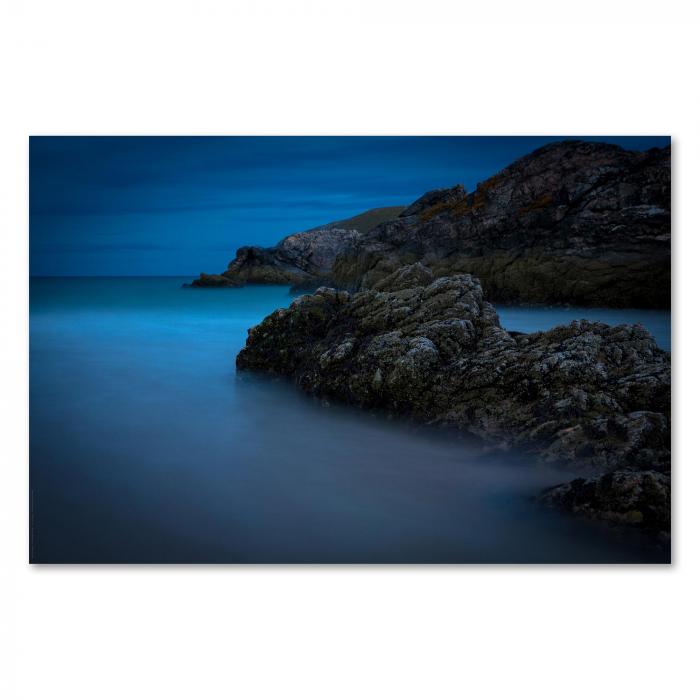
[{"x": 145, "y": 446}]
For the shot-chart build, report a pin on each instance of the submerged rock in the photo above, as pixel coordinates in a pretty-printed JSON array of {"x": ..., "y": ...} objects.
[{"x": 432, "y": 349}]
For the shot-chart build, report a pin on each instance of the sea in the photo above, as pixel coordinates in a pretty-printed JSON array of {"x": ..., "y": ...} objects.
[{"x": 146, "y": 446}]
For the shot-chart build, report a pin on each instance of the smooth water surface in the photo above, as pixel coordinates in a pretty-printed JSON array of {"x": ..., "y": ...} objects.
[{"x": 145, "y": 446}]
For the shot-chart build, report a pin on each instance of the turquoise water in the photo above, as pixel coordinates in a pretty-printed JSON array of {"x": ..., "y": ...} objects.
[{"x": 145, "y": 446}]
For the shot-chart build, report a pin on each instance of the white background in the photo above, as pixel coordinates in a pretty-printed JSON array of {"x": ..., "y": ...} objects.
[{"x": 349, "y": 67}]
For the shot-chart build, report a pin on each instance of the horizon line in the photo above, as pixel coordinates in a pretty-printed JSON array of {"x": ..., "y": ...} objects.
[{"x": 116, "y": 276}]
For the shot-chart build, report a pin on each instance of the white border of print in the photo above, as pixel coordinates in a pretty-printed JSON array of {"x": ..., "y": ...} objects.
[{"x": 360, "y": 67}]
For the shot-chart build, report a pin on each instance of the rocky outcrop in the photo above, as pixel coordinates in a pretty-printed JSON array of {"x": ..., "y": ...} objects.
[
  {"x": 574, "y": 222},
  {"x": 624, "y": 497},
  {"x": 432, "y": 349},
  {"x": 205, "y": 280},
  {"x": 302, "y": 259}
]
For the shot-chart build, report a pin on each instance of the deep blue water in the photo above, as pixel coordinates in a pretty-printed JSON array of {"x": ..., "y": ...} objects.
[{"x": 145, "y": 446}]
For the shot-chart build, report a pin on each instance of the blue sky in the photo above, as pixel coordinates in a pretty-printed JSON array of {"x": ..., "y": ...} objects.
[{"x": 182, "y": 205}]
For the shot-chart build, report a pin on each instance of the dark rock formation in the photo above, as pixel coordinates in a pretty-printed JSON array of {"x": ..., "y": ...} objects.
[
  {"x": 574, "y": 222},
  {"x": 205, "y": 280},
  {"x": 432, "y": 349},
  {"x": 303, "y": 259},
  {"x": 628, "y": 498}
]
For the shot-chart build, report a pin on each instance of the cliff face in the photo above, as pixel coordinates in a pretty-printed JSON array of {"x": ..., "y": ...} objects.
[
  {"x": 573, "y": 222},
  {"x": 301, "y": 259},
  {"x": 432, "y": 349}
]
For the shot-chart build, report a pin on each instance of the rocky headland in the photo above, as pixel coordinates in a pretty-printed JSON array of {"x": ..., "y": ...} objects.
[
  {"x": 573, "y": 222},
  {"x": 302, "y": 259},
  {"x": 430, "y": 348}
]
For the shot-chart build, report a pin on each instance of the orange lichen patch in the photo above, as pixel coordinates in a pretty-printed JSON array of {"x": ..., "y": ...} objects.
[
  {"x": 540, "y": 203},
  {"x": 462, "y": 207},
  {"x": 456, "y": 208},
  {"x": 490, "y": 183},
  {"x": 466, "y": 205},
  {"x": 480, "y": 196},
  {"x": 435, "y": 210},
  {"x": 479, "y": 199}
]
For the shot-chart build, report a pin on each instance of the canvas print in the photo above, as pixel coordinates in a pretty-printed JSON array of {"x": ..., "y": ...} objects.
[{"x": 350, "y": 349}]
